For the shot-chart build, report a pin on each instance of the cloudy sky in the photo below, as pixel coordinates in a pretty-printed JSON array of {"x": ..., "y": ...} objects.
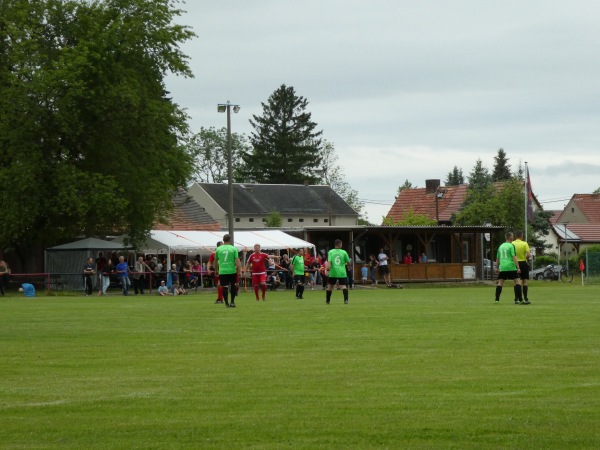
[{"x": 406, "y": 90}]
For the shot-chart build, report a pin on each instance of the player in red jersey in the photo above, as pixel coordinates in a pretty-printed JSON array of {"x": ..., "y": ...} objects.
[
  {"x": 210, "y": 267},
  {"x": 258, "y": 260}
]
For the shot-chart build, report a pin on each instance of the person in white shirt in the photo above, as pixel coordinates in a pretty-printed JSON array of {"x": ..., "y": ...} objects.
[{"x": 384, "y": 268}]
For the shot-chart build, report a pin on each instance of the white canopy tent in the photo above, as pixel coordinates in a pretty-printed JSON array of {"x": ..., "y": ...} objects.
[
  {"x": 167, "y": 242},
  {"x": 171, "y": 241}
]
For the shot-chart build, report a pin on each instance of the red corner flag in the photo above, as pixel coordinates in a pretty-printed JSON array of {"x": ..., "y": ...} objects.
[{"x": 581, "y": 265}]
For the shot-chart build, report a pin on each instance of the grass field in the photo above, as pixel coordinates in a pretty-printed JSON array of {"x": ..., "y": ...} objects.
[{"x": 423, "y": 367}]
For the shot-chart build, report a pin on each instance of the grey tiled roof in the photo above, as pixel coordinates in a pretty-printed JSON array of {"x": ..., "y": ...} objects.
[{"x": 285, "y": 198}]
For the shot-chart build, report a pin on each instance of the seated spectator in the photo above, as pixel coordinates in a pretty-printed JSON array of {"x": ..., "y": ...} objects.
[
  {"x": 28, "y": 289},
  {"x": 407, "y": 258},
  {"x": 163, "y": 290}
]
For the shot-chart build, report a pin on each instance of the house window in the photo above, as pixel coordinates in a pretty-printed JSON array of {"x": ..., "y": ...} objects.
[
  {"x": 290, "y": 220},
  {"x": 325, "y": 220},
  {"x": 251, "y": 219},
  {"x": 315, "y": 220},
  {"x": 300, "y": 220}
]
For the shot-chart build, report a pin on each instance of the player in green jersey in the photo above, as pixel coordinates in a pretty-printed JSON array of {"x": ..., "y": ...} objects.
[
  {"x": 337, "y": 259},
  {"x": 229, "y": 268},
  {"x": 508, "y": 265},
  {"x": 298, "y": 269}
]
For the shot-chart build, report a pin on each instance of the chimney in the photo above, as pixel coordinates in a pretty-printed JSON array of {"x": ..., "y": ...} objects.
[{"x": 431, "y": 186}]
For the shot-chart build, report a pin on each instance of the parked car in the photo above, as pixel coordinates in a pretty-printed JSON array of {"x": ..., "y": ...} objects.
[{"x": 549, "y": 272}]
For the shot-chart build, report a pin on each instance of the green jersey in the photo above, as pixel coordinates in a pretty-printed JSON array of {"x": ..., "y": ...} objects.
[
  {"x": 226, "y": 256},
  {"x": 338, "y": 259},
  {"x": 298, "y": 263},
  {"x": 505, "y": 257}
]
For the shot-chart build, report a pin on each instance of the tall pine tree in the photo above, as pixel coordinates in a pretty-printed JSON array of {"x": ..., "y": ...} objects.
[
  {"x": 286, "y": 147},
  {"x": 455, "y": 177},
  {"x": 501, "y": 167}
]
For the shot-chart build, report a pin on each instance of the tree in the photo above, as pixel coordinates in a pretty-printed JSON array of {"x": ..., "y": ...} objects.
[
  {"x": 333, "y": 176},
  {"x": 407, "y": 185},
  {"x": 410, "y": 218},
  {"x": 455, "y": 177},
  {"x": 286, "y": 147},
  {"x": 209, "y": 150},
  {"x": 274, "y": 219},
  {"x": 90, "y": 143},
  {"x": 597, "y": 191},
  {"x": 479, "y": 178},
  {"x": 501, "y": 167}
]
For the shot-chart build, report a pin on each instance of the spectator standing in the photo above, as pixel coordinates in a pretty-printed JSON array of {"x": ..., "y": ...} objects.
[
  {"x": 384, "y": 268},
  {"x": 122, "y": 270},
  {"x": 423, "y": 258},
  {"x": 364, "y": 273},
  {"x": 229, "y": 268},
  {"x": 139, "y": 277},
  {"x": 107, "y": 271},
  {"x": 100, "y": 263},
  {"x": 523, "y": 255},
  {"x": 4, "y": 275},
  {"x": 373, "y": 264},
  {"x": 88, "y": 273},
  {"x": 338, "y": 260}
]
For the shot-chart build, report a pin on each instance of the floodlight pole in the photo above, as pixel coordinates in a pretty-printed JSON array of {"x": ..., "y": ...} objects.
[{"x": 226, "y": 107}]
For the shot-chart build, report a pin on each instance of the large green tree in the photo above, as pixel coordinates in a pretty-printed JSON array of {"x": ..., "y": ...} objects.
[
  {"x": 501, "y": 167},
  {"x": 209, "y": 149},
  {"x": 286, "y": 145},
  {"x": 90, "y": 142},
  {"x": 455, "y": 177}
]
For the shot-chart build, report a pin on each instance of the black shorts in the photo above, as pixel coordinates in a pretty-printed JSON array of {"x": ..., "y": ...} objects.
[
  {"x": 508, "y": 275},
  {"x": 342, "y": 281},
  {"x": 524, "y": 275},
  {"x": 300, "y": 279},
  {"x": 384, "y": 269},
  {"x": 228, "y": 279}
]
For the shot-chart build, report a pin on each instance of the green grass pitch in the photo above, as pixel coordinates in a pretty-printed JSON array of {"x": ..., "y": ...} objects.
[{"x": 423, "y": 367}]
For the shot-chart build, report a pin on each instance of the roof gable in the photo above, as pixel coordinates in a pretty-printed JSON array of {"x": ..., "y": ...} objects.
[
  {"x": 446, "y": 201},
  {"x": 188, "y": 215},
  {"x": 589, "y": 205}
]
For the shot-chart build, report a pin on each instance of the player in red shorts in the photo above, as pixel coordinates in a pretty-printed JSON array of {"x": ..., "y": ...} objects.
[
  {"x": 210, "y": 267},
  {"x": 258, "y": 260}
]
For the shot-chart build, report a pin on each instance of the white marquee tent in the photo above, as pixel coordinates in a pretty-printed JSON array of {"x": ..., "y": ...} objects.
[{"x": 173, "y": 241}]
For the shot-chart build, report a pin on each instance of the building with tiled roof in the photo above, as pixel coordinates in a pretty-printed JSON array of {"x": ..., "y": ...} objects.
[
  {"x": 582, "y": 208},
  {"x": 299, "y": 205},
  {"x": 187, "y": 215},
  {"x": 434, "y": 201},
  {"x": 578, "y": 225}
]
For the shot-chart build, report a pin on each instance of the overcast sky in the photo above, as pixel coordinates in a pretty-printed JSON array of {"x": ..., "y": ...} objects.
[{"x": 409, "y": 89}]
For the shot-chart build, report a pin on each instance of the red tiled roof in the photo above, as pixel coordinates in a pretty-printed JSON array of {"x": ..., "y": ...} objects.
[
  {"x": 187, "y": 215},
  {"x": 587, "y": 232},
  {"x": 555, "y": 216},
  {"x": 589, "y": 205},
  {"x": 424, "y": 203}
]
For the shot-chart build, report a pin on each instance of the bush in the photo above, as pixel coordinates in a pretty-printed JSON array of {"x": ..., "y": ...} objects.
[{"x": 543, "y": 261}]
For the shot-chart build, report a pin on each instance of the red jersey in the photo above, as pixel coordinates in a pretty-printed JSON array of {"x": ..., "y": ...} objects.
[{"x": 258, "y": 262}]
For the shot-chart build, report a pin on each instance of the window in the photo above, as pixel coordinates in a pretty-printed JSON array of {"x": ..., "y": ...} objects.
[
  {"x": 237, "y": 219},
  {"x": 325, "y": 220},
  {"x": 300, "y": 220},
  {"x": 315, "y": 220},
  {"x": 290, "y": 220},
  {"x": 251, "y": 219}
]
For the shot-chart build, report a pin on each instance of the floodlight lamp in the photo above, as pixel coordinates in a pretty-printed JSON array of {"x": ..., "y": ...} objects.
[
  {"x": 236, "y": 108},
  {"x": 221, "y": 108}
]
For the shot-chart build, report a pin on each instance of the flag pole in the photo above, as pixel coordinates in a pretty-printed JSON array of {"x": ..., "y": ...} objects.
[{"x": 525, "y": 221}]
